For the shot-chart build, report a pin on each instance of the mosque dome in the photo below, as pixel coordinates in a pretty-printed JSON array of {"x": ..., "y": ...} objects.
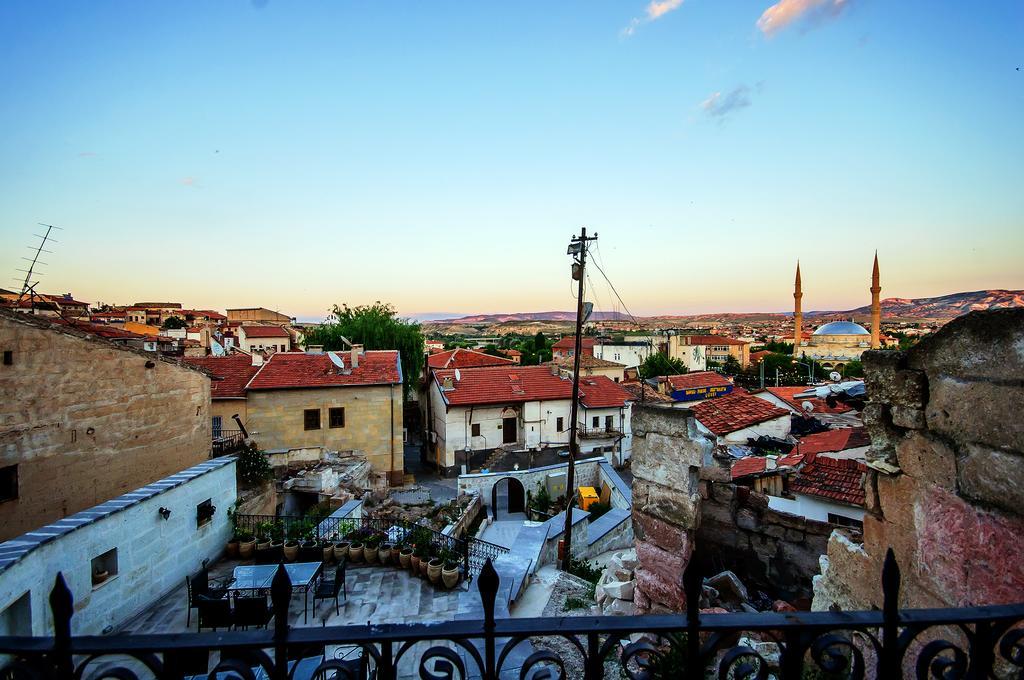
[{"x": 842, "y": 328}]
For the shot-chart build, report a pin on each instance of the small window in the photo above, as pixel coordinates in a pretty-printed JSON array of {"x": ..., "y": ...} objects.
[
  {"x": 104, "y": 567},
  {"x": 8, "y": 483},
  {"x": 475, "y": 429},
  {"x": 597, "y": 422},
  {"x": 8, "y": 357},
  {"x": 336, "y": 417},
  {"x": 844, "y": 521},
  {"x": 311, "y": 418},
  {"x": 205, "y": 512},
  {"x": 218, "y": 426},
  {"x": 559, "y": 424}
]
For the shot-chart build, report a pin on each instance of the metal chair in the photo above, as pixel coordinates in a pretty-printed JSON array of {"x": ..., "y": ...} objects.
[
  {"x": 251, "y": 611},
  {"x": 196, "y": 585},
  {"x": 214, "y": 612},
  {"x": 326, "y": 590}
]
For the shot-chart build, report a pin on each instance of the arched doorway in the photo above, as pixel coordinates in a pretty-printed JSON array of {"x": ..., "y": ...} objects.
[{"x": 507, "y": 496}]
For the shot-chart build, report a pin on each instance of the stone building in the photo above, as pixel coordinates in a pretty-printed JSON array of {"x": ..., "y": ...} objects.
[
  {"x": 84, "y": 420},
  {"x": 945, "y": 485}
]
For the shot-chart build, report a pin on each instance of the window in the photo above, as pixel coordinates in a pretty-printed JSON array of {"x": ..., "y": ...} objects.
[
  {"x": 597, "y": 422},
  {"x": 559, "y": 424},
  {"x": 336, "y": 417},
  {"x": 311, "y": 419},
  {"x": 475, "y": 429},
  {"x": 8, "y": 357},
  {"x": 104, "y": 566},
  {"x": 844, "y": 521},
  {"x": 8, "y": 483},
  {"x": 205, "y": 512},
  {"x": 218, "y": 426},
  {"x": 609, "y": 422}
]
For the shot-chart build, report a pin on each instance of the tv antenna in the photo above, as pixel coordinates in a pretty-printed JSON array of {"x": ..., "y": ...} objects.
[{"x": 28, "y": 286}]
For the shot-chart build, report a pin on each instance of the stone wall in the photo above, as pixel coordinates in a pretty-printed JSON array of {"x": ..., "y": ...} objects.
[
  {"x": 86, "y": 420},
  {"x": 481, "y": 483},
  {"x": 772, "y": 551},
  {"x": 945, "y": 487},
  {"x": 668, "y": 452}
]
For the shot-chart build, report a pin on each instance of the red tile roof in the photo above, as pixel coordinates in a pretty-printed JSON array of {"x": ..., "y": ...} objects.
[
  {"x": 517, "y": 384},
  {"x": 711, "y": 340},
  {"x": 751, "y": 465},
  {"x": 231, "y": 373},
  {"x": 786, "y": 395},
  {"x": 569, "y": 342},
  {"x": 286, "y": 370},
  {"x": 755, "y": 357},
  {"x": 101, "y": 329},
  {"x": 265, "y": 332},
  {"x": 696, "y": 379},
  {"x": 833, "y": 440},
  {"x": 465, "y": 358},
  {"x": 735, "y": 412},
  {"x": 831, "y": 478}
]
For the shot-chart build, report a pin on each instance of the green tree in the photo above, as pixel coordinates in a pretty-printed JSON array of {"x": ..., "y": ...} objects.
[
  {"x": 375, "y": 326},
  {"x": 854, "y": 369},
  {"x": 731, "y": 366},
  {"x": 492, "y": 350},
  {"x": 661, "y": 364},
  {"x": 173, "y": 322}
]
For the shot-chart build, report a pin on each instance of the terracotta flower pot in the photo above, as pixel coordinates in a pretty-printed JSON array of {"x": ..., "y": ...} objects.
[
  {"x": 414, "y": 565},
  {"x": 370, "y": 554},
  {"x": 405, "y": 558},
  {"x": 384, "y": 553},
  {"x": 450, "y": 576},
  {"x": 328, "y": 552},
  {"x": 246, "y": 549},
  {"x": 355, "y": 552},
  {"x": 424, "y": 562},
  {"x": 341, "y": 551},
  {"x": 263, "y": 544},
  {"x": 232, "y": 549},
  {"x": 291, "y": 550},
  {"x": 434, "y": 570}
]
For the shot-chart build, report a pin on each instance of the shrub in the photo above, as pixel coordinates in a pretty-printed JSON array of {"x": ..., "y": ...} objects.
[
  {"x": 253, "y": 466},
  {"x": 572, "y": 602}
]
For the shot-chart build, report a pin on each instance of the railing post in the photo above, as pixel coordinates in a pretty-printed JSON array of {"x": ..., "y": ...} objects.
[
  {"x": 595, "y": 665},
  {"x": 487, "y": 584},
  {"x": 386, "y": 666},
  {"x": 62, "y": 606},
  {"x": 889, "y": 659},
  {"x": 280, "y": 597},
  {"x": 693, "y": 585}
]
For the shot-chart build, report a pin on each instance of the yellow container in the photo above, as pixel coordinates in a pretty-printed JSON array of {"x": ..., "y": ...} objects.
[{"x": 588, "y": 496}]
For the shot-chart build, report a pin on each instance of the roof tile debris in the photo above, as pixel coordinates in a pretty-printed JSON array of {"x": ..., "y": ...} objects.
[{"x": 833, "y": 440}]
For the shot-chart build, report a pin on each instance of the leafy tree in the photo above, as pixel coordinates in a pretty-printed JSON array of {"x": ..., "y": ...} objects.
[
  {"x": 779, "y": 347},
  {"x": 661, "y": 364},
  {"x": 731, "y": 366},
  {"x": 539, "y": 340},
  {"x": 775, "y": 364},
  {"x": 173, "y": 322},
  {"x": 375, "y": 326},
  {"x": 492, "y": 350},
  {"x": 854, "y": 369}
]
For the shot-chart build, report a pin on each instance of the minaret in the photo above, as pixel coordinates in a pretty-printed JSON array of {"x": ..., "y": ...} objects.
[
  {"x": 798, "y": 314},
  {"x": 876, "y": 306}
]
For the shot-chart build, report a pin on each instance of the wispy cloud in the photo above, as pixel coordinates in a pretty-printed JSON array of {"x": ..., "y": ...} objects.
[
  {"x": 655, "y": 10},
  {"x": 721, "y": 104},
  {"x": 786, "y": 12},
  {"x": 189, "y": 182}
]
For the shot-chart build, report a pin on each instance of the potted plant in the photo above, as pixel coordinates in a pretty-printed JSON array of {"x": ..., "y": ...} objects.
[
  {"x": 291, "y": 550},
  {"x": 327, "y": 550},
  {"x": 264, "y": 531},
  {"x": 341, "y": 550},
  {"x": 434, "y": 570},
  {"x": 405, "y": 557},
  {"x": 384, "y": 552},
  {"x": 450, "y": 571},
  {"x": 232, "y": 547},
  {"x": 370, "y": 548},
  {"x": 355, "y": 551},
  {"x": 420, "y": 558},
  {"x": 246, "y": 545}
]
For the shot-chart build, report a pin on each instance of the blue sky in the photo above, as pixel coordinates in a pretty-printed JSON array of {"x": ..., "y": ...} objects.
[{"x": 439, "y": 155}]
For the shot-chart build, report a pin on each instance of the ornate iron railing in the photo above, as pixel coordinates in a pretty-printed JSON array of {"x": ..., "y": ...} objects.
[
  {"x": 225, "y": 442},
  {"x": 976, "y": 642}
]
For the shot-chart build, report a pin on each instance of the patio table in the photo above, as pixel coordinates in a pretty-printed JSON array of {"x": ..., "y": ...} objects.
[{"x": 258, "y": 578}]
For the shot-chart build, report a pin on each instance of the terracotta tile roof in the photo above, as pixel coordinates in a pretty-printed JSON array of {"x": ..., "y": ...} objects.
[
  {"x": 265, "y": 332},
  {"x": 838, "y": 480},
  {"x": 517, "y": 384},
  {"x": 791, "y": 460},
  {"x": 511, "y": 352},
  {"x": 710, "y": 340},
  {"x": 101, "y": 330},
  {"x": 696, "y": 379},
  {"x": 465, "y": 358},
  {"x": 735, "y": 412},
  {"x": 786, "y": 395},
  {"x": 569, "y": 342},
  {"x": 751, "y": 465},
  {"x": 231, "y": 373},
  {"x": 833, "y": 440},
  {"x": 755, "y": 357},
  {"x": 287, "y": 370},
  {"x": 649, "y": 394}
]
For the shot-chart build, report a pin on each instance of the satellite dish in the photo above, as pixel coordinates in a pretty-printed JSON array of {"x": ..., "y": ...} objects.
[
  {"x": 807, "y": 406},
  {"x": 835, "y": 376},
  {"x": 458, "y": 375},
  {"x": 336, "y": 360},
  {"x": 216, "y": 349}
]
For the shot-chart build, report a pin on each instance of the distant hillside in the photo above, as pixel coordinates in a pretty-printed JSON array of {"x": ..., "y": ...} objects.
[
  {"x": 530, "y": 316},
  {"x": 942, "y": 307}
]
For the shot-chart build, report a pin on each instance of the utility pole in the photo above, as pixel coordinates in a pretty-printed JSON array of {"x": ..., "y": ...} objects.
[{"x": 578, "y": 249}]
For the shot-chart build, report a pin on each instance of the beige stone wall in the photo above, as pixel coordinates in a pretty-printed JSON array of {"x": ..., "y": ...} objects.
[
  {"x": 86, "y": 421},
  {"x": 946, "y": 485},
  {"x": 373, "y": 422},
  {"x": 225, "y": 408}
]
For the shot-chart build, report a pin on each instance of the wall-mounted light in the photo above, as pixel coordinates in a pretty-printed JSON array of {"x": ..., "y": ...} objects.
[
  {"x": 165, "y": 512},
  {"x": 150, "y": 364}
]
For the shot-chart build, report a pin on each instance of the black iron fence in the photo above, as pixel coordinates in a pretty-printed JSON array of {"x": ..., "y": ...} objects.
[
  {"x": 975, "y": 642},
  {"x": 225, "y": 442}
]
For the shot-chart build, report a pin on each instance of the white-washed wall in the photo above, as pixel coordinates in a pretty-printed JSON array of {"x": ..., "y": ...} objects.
[
  {"x": 482, "y": 483},
  {"x": 814, "y": 508},
  {"x": 153, "y": 554}
]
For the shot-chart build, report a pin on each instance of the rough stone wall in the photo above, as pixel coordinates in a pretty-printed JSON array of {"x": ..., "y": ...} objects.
[
  {"x": 86, "y": 420},
  {"x": 373, "y": 422},
  {"x": 668, "y": 451},
  {"x": 773, "y": 551},
  {"x": 946, "y": 485}
]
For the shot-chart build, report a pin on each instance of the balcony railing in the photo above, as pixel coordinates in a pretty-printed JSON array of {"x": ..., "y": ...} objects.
[
  {"x": 600, "y": 431},
  {"x": 225, "y": 442},
  {"x": 974, "y": 642}
]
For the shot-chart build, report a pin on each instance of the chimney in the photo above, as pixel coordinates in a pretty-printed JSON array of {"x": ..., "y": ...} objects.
[
  {"x": 314, "y": 349},
  {"x": 257, "y": 359},
  {"x": 356, "y": 351}
]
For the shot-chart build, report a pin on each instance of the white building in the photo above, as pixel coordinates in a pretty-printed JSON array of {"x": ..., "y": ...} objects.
[
  {"x": 628, "y": 353},
  {"x": 477, "y": 410},
  {"x": 264, "y": 339}
]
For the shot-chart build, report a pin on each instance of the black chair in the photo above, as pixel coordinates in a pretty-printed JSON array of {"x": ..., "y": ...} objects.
[
  {"x": 196, "y": 585},
  {"x": 326, "y": 590},
  {"x": 252, "y": 611},
  {"x": 214, "y": 612}
]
